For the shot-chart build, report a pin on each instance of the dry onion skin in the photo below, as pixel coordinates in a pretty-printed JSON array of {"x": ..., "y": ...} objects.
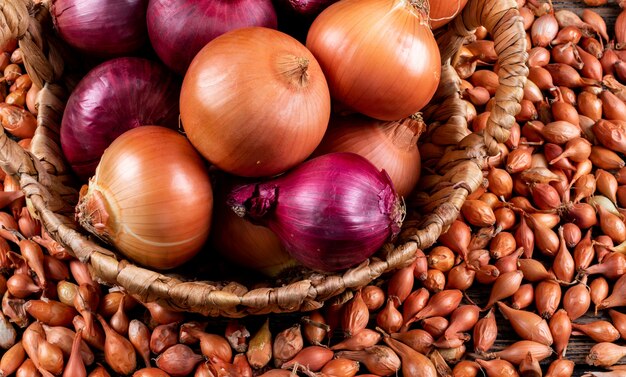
[
  {"x": 255, "y": 102},
  {"x": 159, "y": 223},
  {"x": 380, "y": 57}
]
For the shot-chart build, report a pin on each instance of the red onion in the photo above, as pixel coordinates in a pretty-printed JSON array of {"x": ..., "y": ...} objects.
[
  {"x": 178, "y": 29},
  {"x": 114, "y": 97},
  {"x": 103, "y": 28},
  {"x": 308, "y": 7},
  {"x": 331, "y": 212}
]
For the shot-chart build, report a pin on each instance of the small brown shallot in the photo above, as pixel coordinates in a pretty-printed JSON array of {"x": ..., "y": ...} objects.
[
  {"x": 315, "y": 328},
  {"x": 547, "y": 297},
  {"x": 416, "y": 301},
  {"x": 400, "y": 284},
  {"x": 12, "y": 359},
  {"x": 577, "y": 299},
  {"x": 583, "y": 252},
  {"x": 355, "y": 315},
  {"x": 527, "y": 325},
  {"x": 572, "y": 234},
  {"x": 362, "y": 340},
  {"x": 617, "y": 296},
  {"x": 561, "y": 328},
  {"x": 466, "y": 368},
  {"x": 517, "y": 351},
  {"x": 418, "y": 339},
  {"x": 162, "y": 337},
  {"x": 178, "y": 360},
  {"x": 498, "y": 368},
  {"x": 373, "y": 296},
  {"x": 524, "y": 296},
  {"x": 435, "y": 326},
  {"x": 613, "y": 265},
  {"x": 563, "y": 265},
  {"x": 340, "y": 367},
  {"x": 52, "y": 313},
  {"x": 544, "y": 30},
  {"x": 440, "y": 304},
  {"x": 75, "y": 366},
  {"x": 619, "y": 321},
  {"x": 287, "y": 344},
  {"x": 478, "y": 213},
  {"x": 119, "y": 353},
  {"x": 462, "y": 319},
  {"x": 485, "y": 332},
  {"x": 315, "y": 357},
  {"x": 389, "y": 318},
  {"x": 605, "y": 354},
  {"x": 560, "y": 368},
  {"x": 529, "y": 367},
  {"x": 599, "y": 331},
  {"x": 139, "y": 336},
  {"x": 413, "y": 363}
]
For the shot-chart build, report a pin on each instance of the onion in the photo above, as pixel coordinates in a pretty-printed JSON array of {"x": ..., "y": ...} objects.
[
  {"x": 116, "y": 96},
  {"x": 178, "y": 29},
  {"x": 374, "y": 54},
  {"x": 391, "y": 146},
  {"x": 444, "y": 11},
  {"x": 101, "y": 28},
  {"x": 330, "y": 213},
  {"x": 255, "y": 102},
  {"x": 129, "y": 188}
]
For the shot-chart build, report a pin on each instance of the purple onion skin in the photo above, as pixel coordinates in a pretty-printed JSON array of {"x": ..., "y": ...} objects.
[
  {"x": 112, "y": 98},
  {"x": 331, "y": 212},
  {"x": 102, "y": 28},
  {"x": 178, "y": 29},
  {"x": 309, "y": 7}
]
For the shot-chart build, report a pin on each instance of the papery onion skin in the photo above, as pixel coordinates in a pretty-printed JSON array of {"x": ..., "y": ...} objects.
[
  {"x": 391, "y": 146},
  {"x": 331, "y": 212},
  {"x": 255, "y": 102},
  {"x": 102, "y": 28},
  {"x": 178, "y": 29},
  {"x": 114, "y": 97},
  {"x": 380, "y": 57},
  {"x": 160, "y": 223}
]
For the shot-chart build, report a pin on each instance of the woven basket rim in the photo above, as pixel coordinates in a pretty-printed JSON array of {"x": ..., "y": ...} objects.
[{"x": 42, "y": 173}]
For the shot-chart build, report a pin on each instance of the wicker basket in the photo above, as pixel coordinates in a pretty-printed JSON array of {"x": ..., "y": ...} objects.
[{"x": 43, "y": 174}]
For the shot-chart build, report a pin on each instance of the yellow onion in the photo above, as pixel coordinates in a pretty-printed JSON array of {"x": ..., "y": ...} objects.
[
  {"x": 160, "y": 223},
  {"x": 391, "y": 146},
  {"x": 374, "y": 53}
]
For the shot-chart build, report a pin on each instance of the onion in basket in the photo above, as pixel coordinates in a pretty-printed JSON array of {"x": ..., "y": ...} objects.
[
  {"x": 102, "y": 28},
  {"x": 391, "y": 146},
  {"x": 379, "y": 56},
  {"x": 331, "y": 212},
  {"x": 151, "y": 198},
  {"x": 255, "y": 102},
  {"x": 114, "y": 97},
  {"x": 178, "y": 29}
]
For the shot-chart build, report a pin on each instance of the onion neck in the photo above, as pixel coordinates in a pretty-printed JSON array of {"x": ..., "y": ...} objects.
[
  {"x": 253, "y": 201},
  {"x": 420, "y": 9},
  {"x": 93, "y": 213},
  {"x": 390, "y": 203},
  {"x": 294, "y": 69},
  {"x": 404, "y": 133}
]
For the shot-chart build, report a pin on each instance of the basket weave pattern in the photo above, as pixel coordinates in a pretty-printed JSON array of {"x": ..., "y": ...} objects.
[{"x": 43, "y": 174}]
